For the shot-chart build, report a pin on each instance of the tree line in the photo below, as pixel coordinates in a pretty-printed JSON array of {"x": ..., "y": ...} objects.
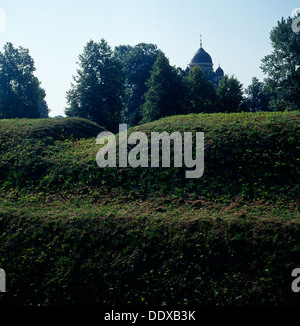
[{"x": 137, "y": 84}]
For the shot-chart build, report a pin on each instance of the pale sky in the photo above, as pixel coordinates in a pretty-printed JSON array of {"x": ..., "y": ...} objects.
[{"x": 235, "y": 33}]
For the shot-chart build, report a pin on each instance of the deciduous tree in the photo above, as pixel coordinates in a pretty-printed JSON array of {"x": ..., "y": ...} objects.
[
  {"x": 137, "y": 62},
  {"x": 165, "y": 94},
  {"x": 282, "y": 66},
  {"x": 21, "y": 95},
  {"x": 98, "y": 88},
  {"x": 202, "y": 96},
  {"x": 230, "y": 94},
  {"x": 258, "y": 98}
]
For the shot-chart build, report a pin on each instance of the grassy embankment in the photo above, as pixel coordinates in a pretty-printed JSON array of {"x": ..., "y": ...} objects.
[{"x": 72, "y": 233}]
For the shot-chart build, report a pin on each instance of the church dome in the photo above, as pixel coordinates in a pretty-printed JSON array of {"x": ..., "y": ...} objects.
[
  {"x": 220, "y": 71},
  {"x": 201, "y": 57}
]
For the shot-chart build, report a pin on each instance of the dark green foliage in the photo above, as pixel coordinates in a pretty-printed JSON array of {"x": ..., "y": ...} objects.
[
  {"x": 21, "y": 95},
  {"x": 230, "y": 94},
  {"x": 201, "y": 93},
  {"x": 99, "y": 87},
  {"x": 137, "y": 62},
  {"x": 283, "y": 67},
  {"x": 165, "y": 95},
  {"x": 258, "y": 98},
  {"x": 145, "y": 87},
  {"x": 43, "y": 109}
]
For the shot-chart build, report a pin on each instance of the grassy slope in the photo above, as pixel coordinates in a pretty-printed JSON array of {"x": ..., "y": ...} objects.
[
  {"x": 249, "y": 156},
  {"x": 73, "y": 233}
]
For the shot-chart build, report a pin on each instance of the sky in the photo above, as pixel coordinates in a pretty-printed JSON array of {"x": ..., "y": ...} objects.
[{"x": 235, "y": 33}]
